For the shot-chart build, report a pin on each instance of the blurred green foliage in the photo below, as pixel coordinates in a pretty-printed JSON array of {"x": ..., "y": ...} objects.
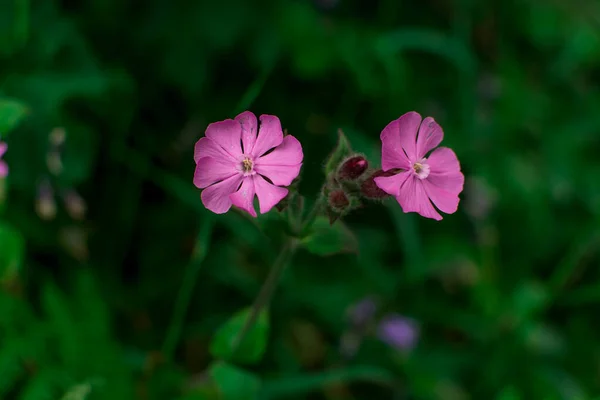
[{"x": 125, "y": 302}]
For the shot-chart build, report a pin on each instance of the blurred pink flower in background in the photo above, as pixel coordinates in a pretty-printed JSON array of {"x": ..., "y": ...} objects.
[
  {"x": 234, "y": 162},
  {"x": 3, "y": 165},
  {"x": 398, "y": 332},
  {"x": 421, "y": 180}
]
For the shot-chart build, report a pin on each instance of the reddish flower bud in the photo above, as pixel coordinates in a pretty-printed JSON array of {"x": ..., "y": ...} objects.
[
  {"x": 338, "y": 199},
  {"x": 369, "y": 188},
  {"x": 353, "y": 167}
]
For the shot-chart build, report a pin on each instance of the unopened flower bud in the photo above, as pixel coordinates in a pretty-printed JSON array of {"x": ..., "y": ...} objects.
[
  {"x": 353, "y": 167},
  {"x": 369, "y": 188},
  {"x": 338, "y": 200}
]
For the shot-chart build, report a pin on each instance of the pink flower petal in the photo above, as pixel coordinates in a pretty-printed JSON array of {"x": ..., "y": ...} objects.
[
  {"x": 443, "y": 200},
  {"x": 412, "y": 198},
  {"x": 270, "y": 135},
  {"x": 244, "y": 197},
  {"x": 392, "y": 184},
  {"x": 445, "y": 171},
  {"x": 210, "y": 170},
  {"x": 399, "y": 141},
  {"x": 268, "y": 195},
  {"x": 283, "y": 164},
  {"x": 208, "y": 148},
  {"x": 216, "y": 197},
  {"x": 289, "y": 152},
  {"x": 249, "y": 129},
  {"x": 3, "y": 169},
  {"x": 226, "y": 134},
  {"x": 430, "y": 135},
  {"x": 281, "y": 175},
  {"x": 3, "y": 148}
]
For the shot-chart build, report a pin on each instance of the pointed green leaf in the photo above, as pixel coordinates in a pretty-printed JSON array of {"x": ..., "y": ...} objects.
[
  {"x": 253, "y": 344},
  {"x": 11, "y": 113},
  {"x": 325, "y": 239}
]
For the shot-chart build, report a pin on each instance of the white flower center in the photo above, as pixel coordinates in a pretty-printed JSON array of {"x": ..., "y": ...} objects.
[{"x": 421, "y": 169}]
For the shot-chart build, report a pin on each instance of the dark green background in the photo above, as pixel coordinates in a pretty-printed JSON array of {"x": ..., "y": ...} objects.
[{"x": 506, "y": 294}]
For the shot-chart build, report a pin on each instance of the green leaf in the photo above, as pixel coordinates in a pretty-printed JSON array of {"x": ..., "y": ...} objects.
[
  {"x": 12, "y": 247},
  {"x": 11, "y": 113},
  {"x": 252, "y": 346},
  {"x": 325, "y": 239},
  {"x": 234, "y": 383},
  {"x": 341, "y": 151}
]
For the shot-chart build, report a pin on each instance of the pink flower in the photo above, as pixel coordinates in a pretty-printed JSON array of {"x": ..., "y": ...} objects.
[
  {"x": 436, "y": 177},
  {"x": 234, "y": 163},
  {"x": 3, "y": 165}
]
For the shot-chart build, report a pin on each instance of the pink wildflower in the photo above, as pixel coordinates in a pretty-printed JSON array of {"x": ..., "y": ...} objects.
[
  {"x": 234, "y": 163},
  {"x": 436, "y": 177},
  {"x": 3, "y": 165}
]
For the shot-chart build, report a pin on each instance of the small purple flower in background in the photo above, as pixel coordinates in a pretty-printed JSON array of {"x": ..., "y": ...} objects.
[
  {"x": 3, "y": 165},
  {"x": 398, "y": 332},
  {"x": 361, "y": 313},
  {"x": 405, "y": 143},
  {"x": 235, "y": 159}
]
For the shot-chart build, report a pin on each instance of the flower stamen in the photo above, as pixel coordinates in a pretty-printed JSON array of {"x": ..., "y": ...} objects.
[
  {"x": 247, "y": 165},
  {"x": 421, "y": 169}
]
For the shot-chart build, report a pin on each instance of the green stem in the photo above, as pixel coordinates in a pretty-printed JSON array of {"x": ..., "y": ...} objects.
[
  {"x": 268, "y": 288},
  {"x": 312, "y": 215},
  {"x": 187, "y": 288}
]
